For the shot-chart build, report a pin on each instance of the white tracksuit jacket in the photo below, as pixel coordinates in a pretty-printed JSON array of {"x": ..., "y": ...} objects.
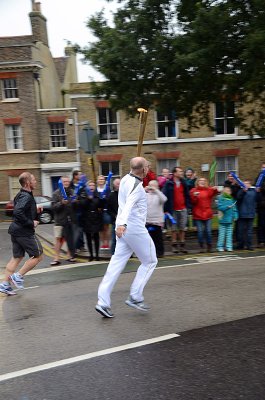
[
  {"x": 132, "y": 201},
  {"x": 136, "y": 239}
]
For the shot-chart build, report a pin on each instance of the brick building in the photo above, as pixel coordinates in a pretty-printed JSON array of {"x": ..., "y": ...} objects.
[
  {"x": 37, "y": 122},
  {"x": 166, "y": 142}
]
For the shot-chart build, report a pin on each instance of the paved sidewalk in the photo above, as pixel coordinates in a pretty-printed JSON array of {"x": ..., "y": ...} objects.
[{"x": 45, "y": 232}]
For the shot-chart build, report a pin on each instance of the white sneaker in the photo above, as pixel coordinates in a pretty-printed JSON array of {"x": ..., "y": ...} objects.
[
  {"x": 104, "y": 311},
  {"x": 17, "y": 280},
  {"x": 7, "y": 289},
  {"x": 139, "y": 305}
]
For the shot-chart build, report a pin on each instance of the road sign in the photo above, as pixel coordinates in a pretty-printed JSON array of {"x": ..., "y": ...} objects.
[{"x": 88, "y": 139}]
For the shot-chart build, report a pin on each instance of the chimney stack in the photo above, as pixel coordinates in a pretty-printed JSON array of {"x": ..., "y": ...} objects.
[{"x": 38, "y": 24}]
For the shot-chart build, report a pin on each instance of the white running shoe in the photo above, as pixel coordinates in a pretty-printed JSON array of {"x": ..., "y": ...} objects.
[
  {"x": 104, "y": 311},
  {"x": 7, "y": 289},
  {"x": 139, "y": 305}
]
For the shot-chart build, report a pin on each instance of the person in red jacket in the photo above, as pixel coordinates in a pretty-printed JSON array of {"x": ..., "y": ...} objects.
[
  {"x": 201, "y": 198},
  {"x": 150, "y": 176}
]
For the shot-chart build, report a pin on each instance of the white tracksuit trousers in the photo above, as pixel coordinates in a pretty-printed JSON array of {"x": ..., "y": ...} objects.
[{"x": 143, "y": 246}]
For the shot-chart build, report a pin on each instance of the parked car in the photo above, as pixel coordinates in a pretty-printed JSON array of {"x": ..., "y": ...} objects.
[{"x": 43, "y": 202}]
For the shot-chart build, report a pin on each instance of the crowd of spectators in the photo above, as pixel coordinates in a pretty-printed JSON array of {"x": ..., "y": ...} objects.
[{"x": 177, "y": 200}]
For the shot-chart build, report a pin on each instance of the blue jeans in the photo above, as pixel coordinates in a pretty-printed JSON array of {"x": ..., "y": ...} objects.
[
  {"x": 245, "y": 232},
  {"x": 204, "y": 229}
]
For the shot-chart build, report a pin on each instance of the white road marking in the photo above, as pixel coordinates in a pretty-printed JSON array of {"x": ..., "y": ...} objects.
[
  {"x": 197, "y": 260},
  {"x": 67, "y": 361},
  {"x": 214, "y": 260},
  {"x": 64, "y": 267},
  {"x": 60, "y": 267},
  {"x": 26, "y": 288},
  {"x": 207, "y": 259}
]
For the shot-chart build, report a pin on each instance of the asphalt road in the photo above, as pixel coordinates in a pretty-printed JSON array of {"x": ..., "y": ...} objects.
[
  {"x": 55, "y": 346},
  {"x": 46, "y": 237},
  {"x": 5, "y": 246}
]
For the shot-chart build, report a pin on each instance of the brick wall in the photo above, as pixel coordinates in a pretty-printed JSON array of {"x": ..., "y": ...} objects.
[
  {"x": 249, "y": 152},
  {"x": 39, "y": 28},
  {"x": 15, "y": 53},
  {"x": 25, "y": 109}
]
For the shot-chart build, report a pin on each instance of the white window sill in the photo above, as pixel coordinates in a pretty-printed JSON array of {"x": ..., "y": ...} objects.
[
  {"x": 167, "y": 138},
  {"x": 15, "y": 150},
  {"x": 226, "y": 135},
  {"x": 13, "y": 100},
  {"x": 58, "y": 148},
  {"x": 106, "y": 141}
]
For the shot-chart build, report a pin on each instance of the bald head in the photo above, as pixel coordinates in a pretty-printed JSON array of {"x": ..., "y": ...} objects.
[
  {"x": 139, "y": 166},
  {"x": 24, "y": 178},
  {"x": 137, "y": 163},
  {"x": 27, "y": 181},
  {"x": 116, "y": 183}
]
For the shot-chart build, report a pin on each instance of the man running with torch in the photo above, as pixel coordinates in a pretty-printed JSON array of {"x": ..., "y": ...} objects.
[{"x": 132, "y": 237}]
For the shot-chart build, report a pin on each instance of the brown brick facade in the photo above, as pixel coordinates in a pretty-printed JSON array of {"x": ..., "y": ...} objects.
[
  {"x": 28, "y": 60},
  {"x": 193, "y": 149},
  {"x": 226, "y": 152}
]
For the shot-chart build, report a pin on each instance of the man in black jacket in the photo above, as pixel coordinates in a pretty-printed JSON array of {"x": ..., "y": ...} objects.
[
  {"x": 22, "y": 231},
  {"x": 65, "y": 220},
  {"x": 79, "y": 234}
]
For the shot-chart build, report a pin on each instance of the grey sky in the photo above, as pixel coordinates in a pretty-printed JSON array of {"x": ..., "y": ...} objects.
[{"x": 65, "y": 21}]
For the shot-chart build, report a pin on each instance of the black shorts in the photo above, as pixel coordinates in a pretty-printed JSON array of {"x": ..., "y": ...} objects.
[{"x": 26, "y": 244}]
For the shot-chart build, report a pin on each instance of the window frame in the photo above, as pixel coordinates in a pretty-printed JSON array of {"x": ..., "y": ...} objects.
[
  {"x": 159, "y": 167},
  {"x": 108, "y": 123},
  {"x": 10, "y": 88},
  {"x": 8, "y": 137},
  {"x": 165, "y": 121},
  {"x": 110, "y": 169},
  {"x": 224, "y": 118},
  {"x": 14, "y": 186},
  {"x": 226, "y": 170},
  {"x": 63, "y": 126}
]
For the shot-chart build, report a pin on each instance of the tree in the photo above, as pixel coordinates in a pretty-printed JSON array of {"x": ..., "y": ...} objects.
[{"x": 183, "y": 55}]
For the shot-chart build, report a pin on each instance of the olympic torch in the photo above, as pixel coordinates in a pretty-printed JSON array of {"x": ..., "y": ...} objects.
[{"x": 142, "y": 119}]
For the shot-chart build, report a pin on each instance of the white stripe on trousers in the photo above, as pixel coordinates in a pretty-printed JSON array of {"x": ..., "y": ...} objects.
[
  {"x": 143, "y": 246},
  {"x": 225, "y": 236}
]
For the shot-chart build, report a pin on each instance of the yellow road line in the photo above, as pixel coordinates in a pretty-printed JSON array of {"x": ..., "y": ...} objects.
[{"x": 47, "y": 250}]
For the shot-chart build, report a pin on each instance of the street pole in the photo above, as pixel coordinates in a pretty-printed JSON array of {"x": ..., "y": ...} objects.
[
  {"x": 77, "y": 144},
  {"x": 93, "y": 167}
]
